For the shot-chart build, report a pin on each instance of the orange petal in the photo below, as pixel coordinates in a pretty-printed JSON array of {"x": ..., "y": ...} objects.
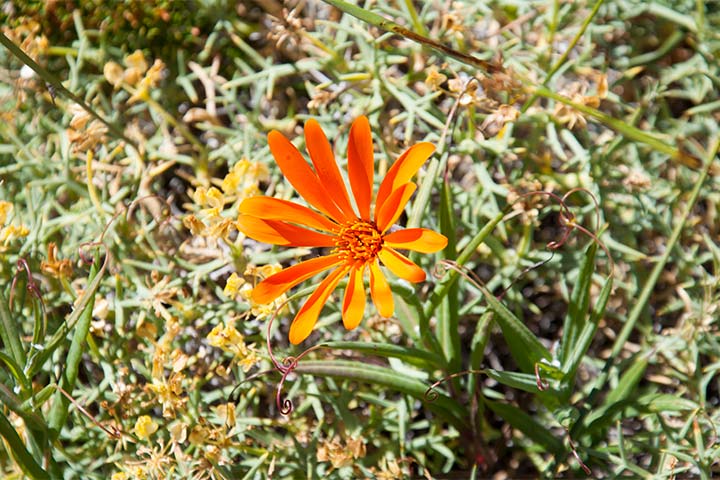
[
  {"x": 361, "y": 164},
  {"x": 417, "y": 239},
  {"x": 380, "y": 291},
  {"x": 388, "y": 212},
  {"x": 281, "y": 233},
  {"x": 326, "y": 168},
  {"x": 404, "y": 169},
  {"x": 401, "y": 266},
  {"x": 307, "y": 317},
  {"x": 301, "y": 176},
  {"x": 354, "y": 302},
  {"x": 269, "y": 208},
  {"x": 282, "y": 281}
]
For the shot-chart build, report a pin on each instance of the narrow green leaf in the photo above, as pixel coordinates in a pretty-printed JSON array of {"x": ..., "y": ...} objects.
[
  {"x": 32, "y": 419},
  {"x": 575, "y": 319},
  {"x": 390, "y": 26},
  {"x": 17, "y": 448},
  {"x": 621, "y": 127},
  {"x": 666, "y": 402},
  {"x": 522, "y": 381},
  {"x": 628, "y": 381},
  {"x": 59, "y": 409},
  {"x": 448, "y": 330},
  {"x": 644, "y": 296},
  {"x": 16, "y": 372},
  {"x": 411, "y": 355},
  {"x": 582, "y": 344},
  {"x": 525, "y": 347},
  {"x": 11, "y": 337},
  {"x": 444, "y": 406},
  {"x": 617, "y": 400},
  {"x": 528, "y": 426}
]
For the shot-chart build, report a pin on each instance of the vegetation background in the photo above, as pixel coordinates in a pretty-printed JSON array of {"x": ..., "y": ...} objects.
[{"x": 130, "y": 348}]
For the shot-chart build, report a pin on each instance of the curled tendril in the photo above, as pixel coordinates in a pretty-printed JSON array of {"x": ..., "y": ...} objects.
[
  {"x": 84, "y": 247},
  {"x": 541, "y": 384},
  {"x": 568, "y": 221},
  {"x": 32, "y": 287},
  {"x": 431, "y": 393},
  {"x": 285, "y": 367}
]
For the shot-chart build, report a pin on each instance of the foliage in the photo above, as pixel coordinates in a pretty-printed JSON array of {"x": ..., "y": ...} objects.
[{"x": 569, "y": 328}]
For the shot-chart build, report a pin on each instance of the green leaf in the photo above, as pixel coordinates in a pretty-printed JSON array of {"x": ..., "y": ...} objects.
[
  {"x": 575, "y": 319},
  {"x": 581, "y": 345},
  {"x": 448, "y": 330},
  {"x": 17, "y": 448},
  {"x": 413, "y": 356},
  {"x": 32, "y": 419},
  {"x": 525, "y": 347},
  {"x": 16, "y": 372},
  {"x": 59, "y": 409},
  {"x": 9, "y": 334},
  {"x": 522, "y": 381},
  {"x": 520, "y": 420},
  {"x": 444, "y": 406}
]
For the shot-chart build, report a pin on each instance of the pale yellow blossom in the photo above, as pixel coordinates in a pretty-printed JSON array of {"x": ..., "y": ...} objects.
[{"x": 145, "y": 427}]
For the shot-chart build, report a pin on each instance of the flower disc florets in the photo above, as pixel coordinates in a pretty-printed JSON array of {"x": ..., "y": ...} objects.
[{"x": 359, "y": 241}]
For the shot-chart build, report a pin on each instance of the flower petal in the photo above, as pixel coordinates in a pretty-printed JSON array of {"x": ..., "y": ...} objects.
[
  {"x": 269, "y": 208},
  {"x": 354, "y": 301},
  {"x": 301, "y": 177},
  {"x": 417, "y": 239},
  {"x": 404, "y": 169},
  {"x": 380, "y": 292},
  {"x": 282, "y": 281},
  {"x": 388, "y": 212},
  {"x": 281, "y": 233},
  {"x": 326, "y": 167},
  {"x": 361, "y": 164},
  {"x": 401, "y": 266},
  {"x": 306, "y": 318}
]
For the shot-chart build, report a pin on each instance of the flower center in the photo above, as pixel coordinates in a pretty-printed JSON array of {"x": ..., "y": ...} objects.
[{"x": 359, "y": 240}]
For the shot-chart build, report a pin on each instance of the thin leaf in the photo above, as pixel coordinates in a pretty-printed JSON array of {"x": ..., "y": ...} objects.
[
  {"x": 528, "y": 426},
  {"x": 16, "y": 372},
  {"x": 444, "y": 406},
  {"x": 17, "y": 448},
  {"x": 575, "y": 319},
  {"x": 59, "y": 410},
  {"x": 582, "y": 344},
  {"x": 9, "y": 334},
  {"x": 414, "y": 356},
  {"x": 525, "y": 347}
]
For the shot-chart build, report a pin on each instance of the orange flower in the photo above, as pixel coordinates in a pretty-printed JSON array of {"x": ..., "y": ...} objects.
[{"x": 360, "y": 239}]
